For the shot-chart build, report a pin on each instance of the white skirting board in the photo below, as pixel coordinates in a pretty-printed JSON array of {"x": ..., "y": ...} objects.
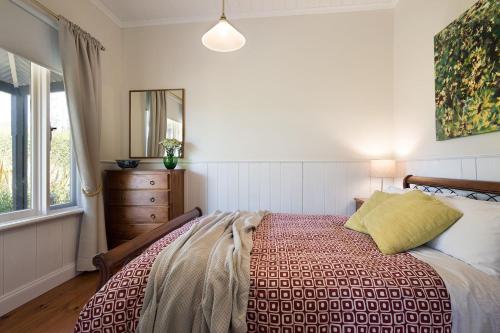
[{"x": 33, "y": 289}]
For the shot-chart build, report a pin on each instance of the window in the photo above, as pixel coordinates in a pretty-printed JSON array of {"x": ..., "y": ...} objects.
[
  {"x": 37, "y": 171},
  {"x": 15, "y": 133},
  {"x": 61, "y": 152}
]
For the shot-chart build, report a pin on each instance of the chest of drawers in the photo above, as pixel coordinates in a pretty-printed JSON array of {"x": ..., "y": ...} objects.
[{"x": 138, "y": 201}]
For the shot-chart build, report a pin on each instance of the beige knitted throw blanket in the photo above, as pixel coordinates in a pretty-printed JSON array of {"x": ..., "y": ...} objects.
[{"x": 200, "y": 282}]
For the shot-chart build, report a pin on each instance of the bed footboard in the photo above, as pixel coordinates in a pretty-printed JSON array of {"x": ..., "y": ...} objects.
[{"x": 108, "y": 263}]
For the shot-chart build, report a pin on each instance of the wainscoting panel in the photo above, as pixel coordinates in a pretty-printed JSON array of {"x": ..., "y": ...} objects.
[
  {"x": 19, "y": 257},
  {"x": 469, "y": 170},
  {"x": 70, "y": 230},
  {"x": 287, "y": 187},
  {"x": 329, "y": 188},
  {"x": 195, "y": 183},
  {"x": 49, "y": 247},
  {"x": 488, "y": 168},
  {"x": 228, "y": 186},
  {"x": 36, "y": 258},
  {"x": 435, "y": 168},
  {"x": 291, "y": 188},
  {"x": 475, "y": 168},
  {"x": 308, "y": 187}
]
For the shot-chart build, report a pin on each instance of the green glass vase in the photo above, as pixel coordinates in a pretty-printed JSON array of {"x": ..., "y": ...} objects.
[{"x": 170, "y": 162}]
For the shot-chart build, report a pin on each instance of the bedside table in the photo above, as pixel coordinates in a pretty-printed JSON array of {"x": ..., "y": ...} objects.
[{"x": 359, "y": 202}]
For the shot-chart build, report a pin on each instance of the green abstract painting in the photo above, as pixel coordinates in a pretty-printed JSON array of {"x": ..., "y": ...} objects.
[{"x": 467, "y": 70}]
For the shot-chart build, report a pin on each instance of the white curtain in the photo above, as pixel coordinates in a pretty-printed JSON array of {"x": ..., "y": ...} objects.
[
  {"x": 82, "y": 79},
  {"x": 157, "y": 123}
]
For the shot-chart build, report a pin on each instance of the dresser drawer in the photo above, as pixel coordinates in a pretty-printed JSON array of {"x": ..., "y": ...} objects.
[
  {"x": 130, "y": 231},
  {"x": 139, "y": 198},
  {"x": 138, "y": 214},
  {"x": 123, "y": 181}
]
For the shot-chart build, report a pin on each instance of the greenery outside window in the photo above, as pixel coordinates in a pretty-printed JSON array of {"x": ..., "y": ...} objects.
[
  {"x": 37, "y": 169},
  {"x": 61, "y": 163}
]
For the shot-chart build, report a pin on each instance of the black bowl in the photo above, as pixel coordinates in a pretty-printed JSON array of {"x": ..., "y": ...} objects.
[{"x": 128, "y": 164}]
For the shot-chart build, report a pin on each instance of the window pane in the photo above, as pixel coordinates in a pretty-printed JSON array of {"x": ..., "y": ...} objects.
[
  {"x": 61, "y": 168},
  {"x": 15, "y": 145}
]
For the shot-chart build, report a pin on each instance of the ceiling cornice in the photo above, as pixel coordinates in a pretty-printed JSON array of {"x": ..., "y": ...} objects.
[
  {"x": 105, "y": 10},
  {"x": 275, "y": 13}
]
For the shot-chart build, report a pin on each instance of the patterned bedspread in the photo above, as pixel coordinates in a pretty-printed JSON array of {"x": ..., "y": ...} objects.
[{"x": 308, "y": 274}]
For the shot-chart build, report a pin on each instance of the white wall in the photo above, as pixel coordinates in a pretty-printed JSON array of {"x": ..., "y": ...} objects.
[
  {"x": 305, "y": 89},
  {"x": 415, "y": 25},
  {"x": 315, "y": 87}
]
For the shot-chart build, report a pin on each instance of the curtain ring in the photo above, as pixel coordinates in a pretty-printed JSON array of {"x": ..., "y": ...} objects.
[{"x": 90, "y": 194}]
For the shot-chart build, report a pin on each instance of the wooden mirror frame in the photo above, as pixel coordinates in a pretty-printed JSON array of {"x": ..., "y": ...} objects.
[{"x": 181, "y": 152}]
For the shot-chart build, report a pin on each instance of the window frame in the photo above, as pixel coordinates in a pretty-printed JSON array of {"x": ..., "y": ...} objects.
[
  {"x": 39, "y": 154},
  {"x": 73, "y": 172}
]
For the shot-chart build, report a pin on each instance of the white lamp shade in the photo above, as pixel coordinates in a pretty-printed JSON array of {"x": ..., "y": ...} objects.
[
  {"x": 383, "y": 168},
  {"x": 223, "y": 37}
]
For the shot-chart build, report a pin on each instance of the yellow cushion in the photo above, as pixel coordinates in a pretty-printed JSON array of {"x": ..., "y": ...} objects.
[
  {"x": 408, "y": 220},
  {"x": 376, "y": 199}
]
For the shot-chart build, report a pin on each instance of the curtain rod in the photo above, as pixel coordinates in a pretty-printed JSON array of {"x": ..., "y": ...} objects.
[{"x": 51, "y": 13}]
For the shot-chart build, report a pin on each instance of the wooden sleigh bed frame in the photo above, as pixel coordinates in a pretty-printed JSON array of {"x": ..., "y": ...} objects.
[{"x": 110, "y": 262}]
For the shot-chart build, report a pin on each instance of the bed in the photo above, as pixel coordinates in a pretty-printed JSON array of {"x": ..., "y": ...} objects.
[{"x": 310, "y": 274}]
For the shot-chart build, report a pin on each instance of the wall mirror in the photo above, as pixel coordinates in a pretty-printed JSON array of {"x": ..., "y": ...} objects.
[{"x": 154, "y": 116}]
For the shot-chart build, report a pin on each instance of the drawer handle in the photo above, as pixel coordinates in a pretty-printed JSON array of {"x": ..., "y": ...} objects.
[
  {"x": 152, "y": 200},
  {"x": 152, "y": 183},
  {"x": 153, "y": 216}
]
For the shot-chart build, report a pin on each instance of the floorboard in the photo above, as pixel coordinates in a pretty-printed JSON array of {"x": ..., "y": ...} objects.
[{"x": 55, "y": 311}]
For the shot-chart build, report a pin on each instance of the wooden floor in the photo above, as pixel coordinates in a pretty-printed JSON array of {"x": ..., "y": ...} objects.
[{"x": 55, "y": 311}]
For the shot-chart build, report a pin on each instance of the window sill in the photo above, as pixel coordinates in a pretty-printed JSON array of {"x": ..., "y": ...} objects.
[{"x": 7, "y": 225}]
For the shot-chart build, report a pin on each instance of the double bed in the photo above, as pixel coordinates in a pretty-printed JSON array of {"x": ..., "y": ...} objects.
[{"x": 311, "y": 274}]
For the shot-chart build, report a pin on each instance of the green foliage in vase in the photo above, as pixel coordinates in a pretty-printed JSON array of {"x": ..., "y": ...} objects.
[
  {"x": 172, "y": 146},
  {"x": 467, "y": 70}
]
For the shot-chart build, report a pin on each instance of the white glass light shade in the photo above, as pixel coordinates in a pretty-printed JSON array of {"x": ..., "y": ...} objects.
[
  {"x": 223, "y": 37},
  {"x": 383, "y": 168}
]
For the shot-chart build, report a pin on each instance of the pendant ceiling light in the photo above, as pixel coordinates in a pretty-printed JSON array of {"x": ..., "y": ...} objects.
[{"x": 223, "y": 37}]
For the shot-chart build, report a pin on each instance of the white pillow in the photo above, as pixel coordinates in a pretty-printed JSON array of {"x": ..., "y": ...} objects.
[
  {"x": 396, "y": 190},
  {"x": 474, "y": 238}
]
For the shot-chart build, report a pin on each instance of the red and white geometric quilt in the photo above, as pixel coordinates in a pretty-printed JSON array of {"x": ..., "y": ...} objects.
[{"x": 308, "y": 274}]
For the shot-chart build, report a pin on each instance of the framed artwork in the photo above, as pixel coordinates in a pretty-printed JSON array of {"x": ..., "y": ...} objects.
[{"x": 466, "y": 73}]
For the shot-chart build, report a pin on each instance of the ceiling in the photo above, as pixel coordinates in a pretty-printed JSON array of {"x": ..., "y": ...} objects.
[
  {"x": 16, "y": 71},
  {"x": 133, "y": 13}
]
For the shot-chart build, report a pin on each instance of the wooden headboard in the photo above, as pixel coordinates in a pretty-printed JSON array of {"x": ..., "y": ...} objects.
[{"x": 490, "y": 189}]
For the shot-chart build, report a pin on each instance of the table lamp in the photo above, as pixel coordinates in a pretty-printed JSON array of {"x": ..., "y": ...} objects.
[{"x": 382, "y": 169}]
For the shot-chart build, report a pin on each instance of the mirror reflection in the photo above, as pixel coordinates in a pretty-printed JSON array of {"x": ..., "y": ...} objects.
[{"x": 154, "y": 116}]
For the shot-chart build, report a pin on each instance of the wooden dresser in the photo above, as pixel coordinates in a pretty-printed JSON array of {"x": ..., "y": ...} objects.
[{"x": 138, "y": 201}]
